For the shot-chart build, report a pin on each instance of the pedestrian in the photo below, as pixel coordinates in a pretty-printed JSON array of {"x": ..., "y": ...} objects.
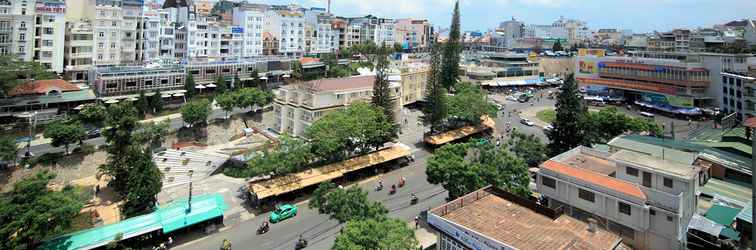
[
  {"x": 97, "y": 189},
  {"x": 170, "y": 241},
  {"x": 417, "y": 221}
]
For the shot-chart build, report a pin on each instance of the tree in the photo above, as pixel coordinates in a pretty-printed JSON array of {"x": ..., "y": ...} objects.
[
  {"x": 8, "y": 148},
  {"x": 251, "y": 97},
  {"x": 435, "y": 108},
  {"x": 32, "y": 212},
  {"x": 227, "y": 101},
  {"x": 195, "y": 112},
  {"x": 142, "y": 104},
  {"x": 345, "y": 204},
  {"x": 376, "y": 234},
  {"x": 466, "y": 167},
  {"x": 156, "y": 102},
  {"x": 398, "y": 47},
  {"x": 381, "y": 88},
  {"x": 288, "y": 156},
  {"x": 220, "y": 85},
  {"x": 571, "y": 114},
  {"x": 122, "y": 122},
  {"x": 297, "y": 72},
  {"x": 93, "y": 115},
  {"x": 14, "y": 72},
  {"x": 64, "y": 133},
  {"x": 152, "y": 134},
  {"x": 557, "y": 46},
  {"x": 358, "y": 128},
  {"x": 189, "y": 85},
  {"x": 144, "y": 183},
  {"x": 614, "y": 123},
  {"x": 237, "y": 83},
  {"x": 469, "y": 104},
  {"x": 528, "y": 147},
  {"x": 452, "y": 49}
]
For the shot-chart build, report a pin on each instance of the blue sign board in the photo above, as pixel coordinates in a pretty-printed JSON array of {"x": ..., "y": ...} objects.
[{"x": 237, "y": 30}]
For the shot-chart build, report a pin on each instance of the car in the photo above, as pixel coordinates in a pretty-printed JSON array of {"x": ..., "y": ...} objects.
[
  {"x": 94, "y": 133},
  {"x": 647, "y": 114},
  {"x": 283, "y": 212},
  {"x": 548, "y": 127},
  {"x": 527, "y": 122}
]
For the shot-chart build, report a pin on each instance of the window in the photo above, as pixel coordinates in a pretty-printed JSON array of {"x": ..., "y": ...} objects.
[
  {"x": 102, "y": 34},
  {"x": 163, "y": 81},
  {"x": 668, "y": 182},
  {"x": 49, "y": 31},
  {"x": 148, "y": 82},
  {"x": 624, "y": 208},
  {"x": 111, "y": 85},
  {"x": 546, "y": 181},
  {"x": 131, "y": 84},
  {"x": 586, "y": 195},
  {"x": 631, "y": 171},
  {"x": 669, "y": 218},
  {"x": 652, "y": 212}
]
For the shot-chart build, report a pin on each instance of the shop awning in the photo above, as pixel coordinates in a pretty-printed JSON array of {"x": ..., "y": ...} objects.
[
  {"x": 211, "y": 85},
  {"x": 204, "y": 207}
]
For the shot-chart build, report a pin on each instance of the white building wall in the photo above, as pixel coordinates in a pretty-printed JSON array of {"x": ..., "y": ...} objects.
[
  {"x": 252, "y": 22},
  {"x": 50, "y": 36},
  {"x": 151, "y": 33},
  {"x": 107, "y": 34},
  {"x": 17, "y": 29}
]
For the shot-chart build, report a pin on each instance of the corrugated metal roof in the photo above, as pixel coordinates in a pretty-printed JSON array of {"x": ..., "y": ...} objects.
[{"x": 747, "y": 213}]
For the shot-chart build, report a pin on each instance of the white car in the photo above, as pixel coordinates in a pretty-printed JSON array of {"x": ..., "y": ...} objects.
[
  {"x": 527, "y": 122},
  {"x": 548, "y": 127},
  {"x": 647, "y": 114}
]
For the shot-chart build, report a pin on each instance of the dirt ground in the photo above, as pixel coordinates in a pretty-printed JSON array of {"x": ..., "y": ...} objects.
[{"x": 69, "y": 168}]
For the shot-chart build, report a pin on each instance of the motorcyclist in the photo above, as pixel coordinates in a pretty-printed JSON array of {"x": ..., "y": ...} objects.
[
  {"x": 413, "y": 198},
  {"x": 265, "y": 226},
  {"x": 393, "y": 188},
  {"x": 402, "y": 181}
]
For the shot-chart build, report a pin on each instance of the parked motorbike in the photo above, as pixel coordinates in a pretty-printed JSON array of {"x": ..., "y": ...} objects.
[
  {"x": 264, "y": 228},
  {"x": 413, "y": 199},
  {"x": 301, "y": 243}
]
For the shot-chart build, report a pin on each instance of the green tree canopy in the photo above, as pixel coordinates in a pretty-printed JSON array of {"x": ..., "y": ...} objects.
[
  {"x": 152, "y": 134},
  {"x": 122, "y": 122},
  {"x": 376, "y": 234},
  {"x": 189, "y": 85},
  {"x": 142, "y": 104},
  {"x": 227, "y": 101},
  {"x": 221, "y": 85},
  {"x": 557, "y": 46},
  {"x": 614, "y": 123},
  {"x": 195, "y": 112},
  {"x": 469, "y": 104},
  {"x": 93, "y": 115},
  {"x": 288, "y": 156},
  {"x": 144, "y": 182},
  {"x": 345, "y": 204},
  {"x": 450, "y": 66},
  {"x": 358, "y": 128},
  {"x": 466, "y": 167},
  {"x": 156, "y": 102},
  {"x": 251, "y": 97},
  {"x": 571, "y": 118},
  {"x": 8, "y": 148},
  {"x": 528, "y": 147},
  {"x": 32, "y": 213},
  {"x": 14, "y": 72},
  {"x": 435, "y": 109},
  {"x": 65, "y": 132}
]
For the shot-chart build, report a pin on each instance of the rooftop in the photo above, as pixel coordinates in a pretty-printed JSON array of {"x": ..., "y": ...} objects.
[
  {"x": 587, "y": 159},
  {"x": 521, "y": 223},
  {"x": 595, "y": 179},
  {"x": 42, "y": 87},
  {"x": 651, "y": 162},
  {"x": 667, "y": 153},
  {"x": 339, "y": 84}
]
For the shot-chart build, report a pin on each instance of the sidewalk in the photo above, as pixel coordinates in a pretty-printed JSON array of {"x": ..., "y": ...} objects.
[{"x": 424, "y": 235}]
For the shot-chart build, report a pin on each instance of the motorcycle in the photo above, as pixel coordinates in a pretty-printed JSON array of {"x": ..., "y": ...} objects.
[
  {"x": 378, "y": 187},
  {"x": 301, "y": 243},
  {"x": 263, "y": 229},
  {"x": 401, "y": 182},
  {"x": 393, "y": 189},
  {"x": 413, "y": 200}
]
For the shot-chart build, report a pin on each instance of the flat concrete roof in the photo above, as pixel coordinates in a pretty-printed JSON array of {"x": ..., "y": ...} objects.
[{"x": 669, "y": 167}]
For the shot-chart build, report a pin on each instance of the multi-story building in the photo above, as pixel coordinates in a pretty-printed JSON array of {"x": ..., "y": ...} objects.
[
  {"x": 508, "y": 32},
  {"x": 677, "y": 40},
  {"x": 152, "y": 27},
  {"x": 203, "y": 7},
  {"x": 297, "y": 106},
  {"x": 503, "y": 69},
  {"x": 203, "y": 39},
  {"x": 646, "y": 200},
  {"x": 672, "y": 85},
  {"x": 270, "y": 44},
  {"x": 122, "y": 82},
  {"x": 413, "y": 77},
  {"x": 49, "y": 37},
  {"x": 491, "y": 218},
  {"x": 106, "y": 17},
  {"x": 231, "y": 42},
  {"x": 17, "y": 28},
  {"x": 250, "y": 21},
  {"x": 289, "y": 27},
  {"x": 131, "y": 31},
  {"x": 413, "y": 34},
  {"x": 79, "y": 46},
  {"x": 320, "y": 37},
  {"x": 376, "y": 30},
  {"x": 749, "y": 33},
  {"x": 739, "y": 90}
]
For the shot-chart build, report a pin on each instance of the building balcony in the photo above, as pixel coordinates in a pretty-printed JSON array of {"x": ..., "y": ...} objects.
[
  {"x": 663, "y": 200},
  {"x": 81, "y": 55}
]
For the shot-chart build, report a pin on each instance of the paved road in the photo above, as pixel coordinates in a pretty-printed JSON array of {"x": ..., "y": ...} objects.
[
  {"x": 177, "y": 123},
  {"x": 318, "y": 229}
]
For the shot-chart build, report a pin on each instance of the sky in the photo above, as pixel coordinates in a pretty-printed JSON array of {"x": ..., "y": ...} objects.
[{"x": 637, "y": 15}]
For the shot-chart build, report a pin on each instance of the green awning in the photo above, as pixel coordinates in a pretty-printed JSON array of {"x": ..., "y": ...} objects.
[
  {"x": 722, "y": 215},
  {"x": 100, "y": 236},
  {"x": 169, "y": 218},
  {"x": 730, "y": 233},
  {"x": 746, "y": 213},
  {"x": 204, "y": 207}
]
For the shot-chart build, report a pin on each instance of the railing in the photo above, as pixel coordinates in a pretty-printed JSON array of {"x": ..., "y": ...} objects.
[{"x": 663, "y": 200}]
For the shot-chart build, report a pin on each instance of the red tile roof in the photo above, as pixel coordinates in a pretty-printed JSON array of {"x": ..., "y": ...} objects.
[
  {"x": 42, "y": 87},
  {"x": 596, "y": 179},
  {"x": 344, "y": 83}
]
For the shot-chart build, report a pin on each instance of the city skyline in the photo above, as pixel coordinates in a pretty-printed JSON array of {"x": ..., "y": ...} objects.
[{"x": 482, "y": 15}]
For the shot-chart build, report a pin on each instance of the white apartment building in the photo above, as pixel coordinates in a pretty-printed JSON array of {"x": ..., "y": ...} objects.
[
  {"x": 231, "y": 41},
  {"x": 49, "y": 38},
  {"x": 17, "y": 28},
  {"x": 297, "y": 106},
  {"x": 203, "y": 38},
  {"x": 249, "y": 24},
  {"x": 289, "y": 27},
  {"x": 326, "y": 38},
  {"x": 167, "y": 33},
  {"x": 383, "y": 33},
  {"x": 78, "y": 50},
  {"x": 106, "y": 17},
  {"x": 646, "y": 200},
  {"x": 152, "y": 28}
]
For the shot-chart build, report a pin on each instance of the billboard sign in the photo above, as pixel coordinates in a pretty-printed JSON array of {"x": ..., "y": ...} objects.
[
  {"x": 592, "y": 52},
  {"x": 51, "y": 7},
  {"x": 671, "y": 100},
  {"x": 587, "y": 67},
  {"x": 237, "y": 30}
]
